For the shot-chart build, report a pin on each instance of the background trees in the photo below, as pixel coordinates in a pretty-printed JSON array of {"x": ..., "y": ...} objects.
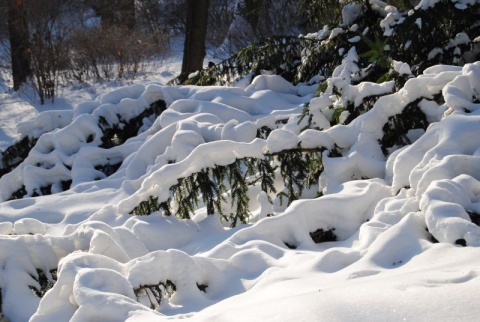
[
  {"x": 19, "y": 42},
  {"x": 58, "y": 41},
  {"x": 115, "y": 13}
]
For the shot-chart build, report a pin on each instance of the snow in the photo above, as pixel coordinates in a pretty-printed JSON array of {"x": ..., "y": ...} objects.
[
  {"x": 351, "y": 12},
  {"x": 401, "y": 67},
  {"x": 280, "y": 140},
  {"x": 103, "y": 253},
  {"x": 384, "y": 209}
]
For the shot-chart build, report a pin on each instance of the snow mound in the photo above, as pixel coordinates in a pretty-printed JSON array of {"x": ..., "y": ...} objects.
[{"x": 63, "y": 256}]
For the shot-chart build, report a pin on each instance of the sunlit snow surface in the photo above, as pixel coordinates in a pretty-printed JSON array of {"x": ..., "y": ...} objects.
[{"x": 384, "y": 266}]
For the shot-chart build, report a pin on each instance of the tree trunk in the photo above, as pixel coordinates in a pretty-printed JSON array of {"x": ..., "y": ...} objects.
[
  {"x": 19, "y": 42},
  {"x": 252, "y": 11},
  {"x": 106, "y": 10},
  {"x": 120, "y": 13},
  {"x": 127, "y": 13},
  {"x": 195, "y": 34}
]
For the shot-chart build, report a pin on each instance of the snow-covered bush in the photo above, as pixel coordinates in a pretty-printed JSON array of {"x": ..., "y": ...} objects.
[
  {"x": 70, "y": 153},
  {"x": 356, "y": 64}
]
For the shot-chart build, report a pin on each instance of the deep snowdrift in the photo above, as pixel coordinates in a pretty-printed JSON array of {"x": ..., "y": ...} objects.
[{"x": 384, "y": 264}]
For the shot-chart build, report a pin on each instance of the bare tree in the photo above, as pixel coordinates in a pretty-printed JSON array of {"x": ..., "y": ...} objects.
[
  {"x": 127, "y": 13},
  {"x": 19, "y": 42},
  {"x": 253, "y": 20},
  {"x": 3, "y": 20},
  {"x": 195, "y": 35},
  {"x": 106, "y": 10},
  {"x": 115, "y": 13}
]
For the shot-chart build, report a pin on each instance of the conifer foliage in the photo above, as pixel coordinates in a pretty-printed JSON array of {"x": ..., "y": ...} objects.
[{"x": 370, "y": 52}]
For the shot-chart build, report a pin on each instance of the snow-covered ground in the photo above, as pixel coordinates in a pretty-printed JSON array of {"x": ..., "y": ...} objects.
[
  {"x": 24, "y": 105},
  {"x": 107, "y": 265},
  {"x": 384, "y": 265}
]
